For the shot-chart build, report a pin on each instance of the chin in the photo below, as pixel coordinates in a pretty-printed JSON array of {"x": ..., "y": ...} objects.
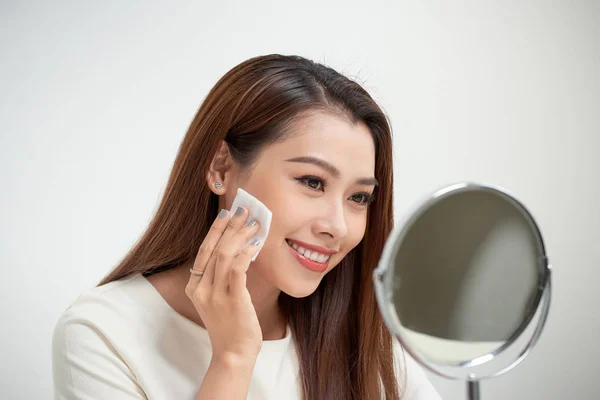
[
  {"x": 299, "y": 291},
  {"x": 299, "y": 294}
]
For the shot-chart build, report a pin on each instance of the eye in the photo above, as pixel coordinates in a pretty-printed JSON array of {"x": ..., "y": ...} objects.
[
  {"x": 363, "y": 199},
  {"x": 313, "y": 182},
  {"x": 318, "y": 183}
]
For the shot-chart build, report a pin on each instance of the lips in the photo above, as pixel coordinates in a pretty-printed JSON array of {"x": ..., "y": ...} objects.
[
  {"x": 309, "y": 253},
  {"x": 317, "y": 266}
]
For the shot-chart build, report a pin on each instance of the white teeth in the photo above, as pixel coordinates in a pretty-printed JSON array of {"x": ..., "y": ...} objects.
[{"x": 312, "y": 255}]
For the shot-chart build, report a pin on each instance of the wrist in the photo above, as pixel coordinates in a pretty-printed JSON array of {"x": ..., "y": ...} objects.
[{"x": 234, "y": 361}]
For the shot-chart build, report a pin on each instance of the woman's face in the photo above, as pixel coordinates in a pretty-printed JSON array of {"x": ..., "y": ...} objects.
[{"x": 317, "y": 184}]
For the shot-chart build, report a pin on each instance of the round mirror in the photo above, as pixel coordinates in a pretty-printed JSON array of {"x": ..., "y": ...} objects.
[{"x": 464, "y": 282}]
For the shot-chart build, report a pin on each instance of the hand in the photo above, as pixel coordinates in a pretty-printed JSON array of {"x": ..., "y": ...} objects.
[{"x": 220, "y": 295}]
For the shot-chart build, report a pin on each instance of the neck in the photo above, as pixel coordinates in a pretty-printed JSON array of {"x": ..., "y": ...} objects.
[{"x": 264, "y": 298}]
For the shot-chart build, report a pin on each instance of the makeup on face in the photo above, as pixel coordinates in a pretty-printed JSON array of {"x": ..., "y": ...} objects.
[
  {"x": 315, "y": 258},
  {"x": 318, "y": 184}
]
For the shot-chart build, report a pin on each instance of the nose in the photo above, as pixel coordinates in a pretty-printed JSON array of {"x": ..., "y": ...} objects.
[{"x": 331, "y": 222}]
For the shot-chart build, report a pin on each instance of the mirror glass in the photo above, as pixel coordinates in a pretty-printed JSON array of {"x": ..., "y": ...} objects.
[{"x": 466, "y": 278}]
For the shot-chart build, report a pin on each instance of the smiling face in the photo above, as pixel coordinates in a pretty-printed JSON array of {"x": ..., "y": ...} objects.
[{"x": 318, "y": 184}]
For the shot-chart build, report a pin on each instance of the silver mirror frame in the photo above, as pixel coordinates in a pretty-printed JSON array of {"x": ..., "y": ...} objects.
[{"x": 383, "y": 277}]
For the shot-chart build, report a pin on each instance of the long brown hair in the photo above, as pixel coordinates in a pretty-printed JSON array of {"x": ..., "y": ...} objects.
[{"x": 344, "y": 350}]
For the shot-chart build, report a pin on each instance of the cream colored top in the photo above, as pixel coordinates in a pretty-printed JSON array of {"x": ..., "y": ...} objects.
[{"x": 122, "y": 341}]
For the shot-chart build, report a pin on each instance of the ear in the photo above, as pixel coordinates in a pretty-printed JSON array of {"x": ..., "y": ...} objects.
[{"x": 220, "y": 170}]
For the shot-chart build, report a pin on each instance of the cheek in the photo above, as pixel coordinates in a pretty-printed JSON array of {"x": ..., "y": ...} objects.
[
  {"x": 356, "y": 229},
  {"x": 290, "y": 214},
  {"x": 281, "y": 204},
  {"x": 356, "y": 232}
]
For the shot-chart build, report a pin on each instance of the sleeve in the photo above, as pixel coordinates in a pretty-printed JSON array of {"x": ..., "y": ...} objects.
[
  {"x": 412, "y": 381},
  {"x": 85, "y": 365}
]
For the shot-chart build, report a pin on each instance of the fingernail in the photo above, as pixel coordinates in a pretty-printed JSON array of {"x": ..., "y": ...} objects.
[
  {"x": 251, "y": 223},
  {"x": 255, "y": 242},
  {"x": 223, "y": 213},
  {"x": 239, "y": 211}
]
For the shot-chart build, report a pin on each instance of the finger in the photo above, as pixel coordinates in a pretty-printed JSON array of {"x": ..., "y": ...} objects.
[
  {"x": 207, "y": 247},
  {"x": 220, "y": 249},
  {"x": 237, "y": 274},
  {"x": 234, "y": 246}
]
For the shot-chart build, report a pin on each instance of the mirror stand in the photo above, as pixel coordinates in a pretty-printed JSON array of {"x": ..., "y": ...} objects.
[{"x": 473, "y": 390}]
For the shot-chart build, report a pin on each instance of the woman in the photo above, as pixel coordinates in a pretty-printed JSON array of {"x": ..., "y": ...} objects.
[{"x": 187, "y": 315}]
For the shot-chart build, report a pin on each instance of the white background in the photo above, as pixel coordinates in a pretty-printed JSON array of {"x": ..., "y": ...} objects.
[{"x": 96, "y": 97}]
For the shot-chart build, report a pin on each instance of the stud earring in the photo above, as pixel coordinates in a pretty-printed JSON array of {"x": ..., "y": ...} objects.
[{"x": 218, "y": 184}]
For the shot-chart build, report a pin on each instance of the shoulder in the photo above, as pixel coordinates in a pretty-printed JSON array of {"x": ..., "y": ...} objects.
[
  {"x": 91, "y": 339},
  {"x": 110, "y": 303},
  {"x": 412, "y": 380},
  {"x": 115, "y": 314}
]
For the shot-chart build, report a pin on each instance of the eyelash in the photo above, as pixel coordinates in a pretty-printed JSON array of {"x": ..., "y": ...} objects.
[{"x": 369, "y": 198}]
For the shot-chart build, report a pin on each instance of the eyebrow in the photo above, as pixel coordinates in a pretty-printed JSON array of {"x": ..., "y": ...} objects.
[{"x": 331, "y": 169}]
